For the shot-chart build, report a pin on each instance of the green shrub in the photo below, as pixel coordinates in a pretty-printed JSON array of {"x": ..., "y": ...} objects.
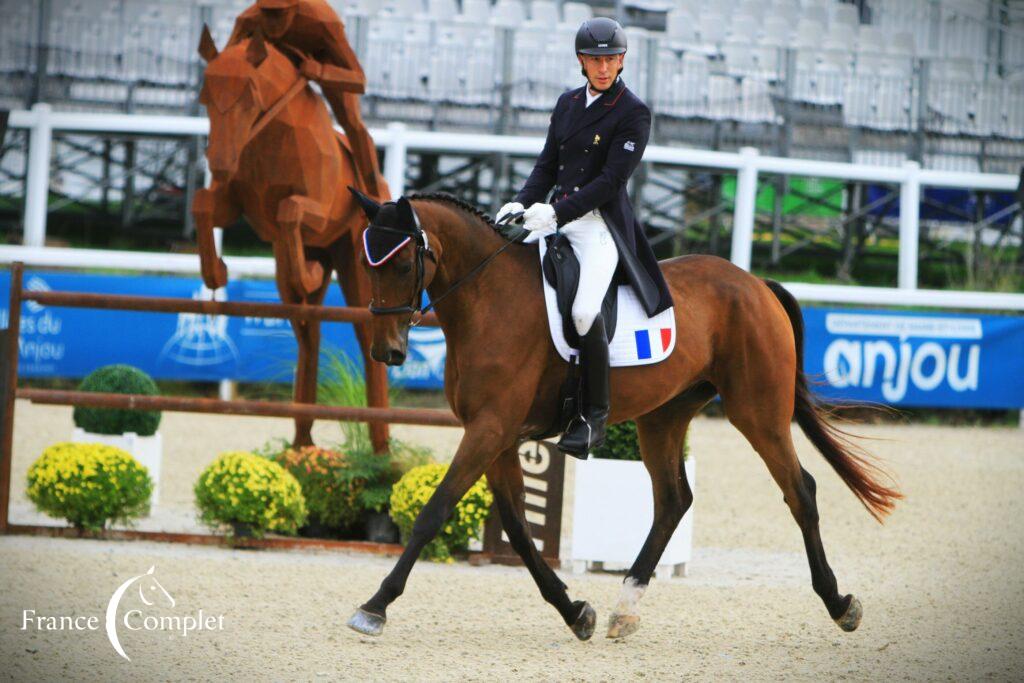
[
  {"x": 413, "y": 491},
  {"x": 330, "y": 485},
  {"x": 246, "y": 489},
  {"x": 118, "y": 379},
  {"x": 383, "y": 471},
  {"x": 89, "y": 484},
  {"x": 622, "y": 443}
]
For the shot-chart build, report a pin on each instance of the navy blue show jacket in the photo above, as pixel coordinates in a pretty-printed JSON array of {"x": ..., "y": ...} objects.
[{"x": 589, "y": 154}]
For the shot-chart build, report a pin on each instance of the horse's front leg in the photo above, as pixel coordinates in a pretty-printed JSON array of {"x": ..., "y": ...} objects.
[
  {"x": 484, "y": 439},
  {"x": 505, "y": 477},
  {"x": 293, "y": 214},
  {"x": 212, "y": 207}
]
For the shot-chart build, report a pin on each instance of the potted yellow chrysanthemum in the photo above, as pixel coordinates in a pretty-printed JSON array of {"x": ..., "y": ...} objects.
[{"x": 250, "y": 494}]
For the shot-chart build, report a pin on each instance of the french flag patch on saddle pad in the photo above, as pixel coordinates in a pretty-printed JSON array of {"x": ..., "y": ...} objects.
[{"x": 638, "y": 340}]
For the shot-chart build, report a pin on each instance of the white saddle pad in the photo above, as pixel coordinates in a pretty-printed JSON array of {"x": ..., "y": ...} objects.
[{"x": 638, "y": 340}]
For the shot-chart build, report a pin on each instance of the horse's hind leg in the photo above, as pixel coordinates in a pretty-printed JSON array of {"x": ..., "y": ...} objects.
[
  {"x": 505, "y": 477},
  {"x": 767, "y": 426},
  {"x": 662, "y": 434},
  {"x": 356, "y": 287},
  {"x": 307, "y": 337}
]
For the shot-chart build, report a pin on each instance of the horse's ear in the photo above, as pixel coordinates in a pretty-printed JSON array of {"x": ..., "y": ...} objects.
[
  {"x": 406, "y": 216},
  {"x": 207, "y": 48},
  {"x": 370, "y": 207},
  {"x": 256, "y": 52}
]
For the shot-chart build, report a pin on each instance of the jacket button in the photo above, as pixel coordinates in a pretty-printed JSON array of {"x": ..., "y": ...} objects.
[
  {"x": 575, "y": 189},
  {"x": 561, "y": 167},
  {"x": 581, "y": 170},
  {"x": 561, "y": 147}
]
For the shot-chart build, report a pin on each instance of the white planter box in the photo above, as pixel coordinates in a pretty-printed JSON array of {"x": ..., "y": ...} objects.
[
  {"x": 613, "y": 509},
  {"x": 148, "y": 450}
]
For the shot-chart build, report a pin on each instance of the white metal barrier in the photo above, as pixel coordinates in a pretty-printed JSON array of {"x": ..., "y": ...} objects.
[{"x": 398, "y": 140}]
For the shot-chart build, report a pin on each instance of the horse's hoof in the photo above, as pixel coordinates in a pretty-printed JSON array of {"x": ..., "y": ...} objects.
[
  {"x": 366, "y": 623},
  {"x": 851, "y": 618},
  {"x": 584, "y": 625},
  {"x": 622, "y": 625}
]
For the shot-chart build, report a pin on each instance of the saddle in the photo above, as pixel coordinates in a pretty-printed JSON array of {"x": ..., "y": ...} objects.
[{"x": 562, "y": 271}]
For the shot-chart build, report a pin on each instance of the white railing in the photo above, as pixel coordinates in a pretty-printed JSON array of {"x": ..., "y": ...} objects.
[{"x": 397, "y": 140}]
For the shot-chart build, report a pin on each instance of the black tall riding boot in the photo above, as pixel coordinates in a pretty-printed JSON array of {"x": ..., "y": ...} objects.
[{"x": 586, "y": 431}]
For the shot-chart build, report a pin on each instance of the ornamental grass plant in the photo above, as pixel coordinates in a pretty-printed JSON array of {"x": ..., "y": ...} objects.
[
  {"x": 89, "y": 485},
  {"x": 251, "y": 494},
  {"x": 413, "y": 491}
]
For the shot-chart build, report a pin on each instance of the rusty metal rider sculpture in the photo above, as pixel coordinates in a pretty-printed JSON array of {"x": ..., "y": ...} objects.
[{"x": 275, "y": 158}]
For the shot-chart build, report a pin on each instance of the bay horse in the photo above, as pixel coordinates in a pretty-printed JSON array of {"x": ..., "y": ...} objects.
[
  {"x": 276, "y": 159},
  {"x": 740, "y": 337}
]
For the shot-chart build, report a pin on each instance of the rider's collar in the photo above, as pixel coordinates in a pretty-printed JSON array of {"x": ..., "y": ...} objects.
[{"x": 609, "y": 89}]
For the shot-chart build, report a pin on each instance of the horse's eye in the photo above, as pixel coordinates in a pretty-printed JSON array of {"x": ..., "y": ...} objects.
[{"x": 404, "y": 268}]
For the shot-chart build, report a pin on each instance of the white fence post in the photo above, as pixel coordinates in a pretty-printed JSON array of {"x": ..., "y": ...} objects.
[
  {"x": 910, "y": 225},
  {"x": 37, "y": 190},
  {"x": 743, "y": 214},
  {"x": 395, "y": 159}
]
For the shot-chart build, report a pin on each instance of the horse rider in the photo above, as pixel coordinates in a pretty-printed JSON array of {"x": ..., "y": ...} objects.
[
  {"x": 595, "y": 141},
  {"x": 314, "y": 30}
]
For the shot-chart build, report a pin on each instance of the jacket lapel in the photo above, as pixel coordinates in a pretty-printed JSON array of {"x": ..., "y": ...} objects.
[
  {"x": 575, "y": 111},
  {"x": 594, "y": 112}
]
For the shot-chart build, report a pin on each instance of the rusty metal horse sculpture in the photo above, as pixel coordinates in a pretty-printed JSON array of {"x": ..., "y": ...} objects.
[
  {"x": 740, "y": 338},
  {"x": 276, "y": 159}
]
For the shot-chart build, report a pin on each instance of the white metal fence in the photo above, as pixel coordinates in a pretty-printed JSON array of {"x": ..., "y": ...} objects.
[{"x": 397, "y": 140}]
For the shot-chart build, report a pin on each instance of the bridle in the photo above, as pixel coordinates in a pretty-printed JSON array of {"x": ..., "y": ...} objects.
[
  {"x": 267, "y": 116},
  {"x": 418, "y": 236}
]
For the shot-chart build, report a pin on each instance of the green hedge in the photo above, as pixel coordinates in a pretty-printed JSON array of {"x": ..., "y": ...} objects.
[
  {"x": 621, "y": 443},
  {"x": 118, "y": 379}
]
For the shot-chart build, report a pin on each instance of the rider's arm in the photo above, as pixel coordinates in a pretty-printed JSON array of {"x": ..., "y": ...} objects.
[
  {"x": 545, "y": 171},
  {"x": 330, "y": 76},
  {"x": 624, "y": 154},
  {"x": 339, "y": 60}
]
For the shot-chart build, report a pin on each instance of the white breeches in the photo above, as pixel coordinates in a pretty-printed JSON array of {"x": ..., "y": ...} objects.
[{"x": 598, "y": 258}]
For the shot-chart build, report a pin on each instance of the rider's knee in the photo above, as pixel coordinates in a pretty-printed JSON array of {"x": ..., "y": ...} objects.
[{"x": 583, "y": 317}]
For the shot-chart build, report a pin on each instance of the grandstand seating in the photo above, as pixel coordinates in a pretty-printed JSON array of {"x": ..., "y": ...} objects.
[{"x": 916, "y": 63}]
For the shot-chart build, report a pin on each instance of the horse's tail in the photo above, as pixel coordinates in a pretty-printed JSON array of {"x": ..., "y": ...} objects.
[{"x": 870, "y": 483}]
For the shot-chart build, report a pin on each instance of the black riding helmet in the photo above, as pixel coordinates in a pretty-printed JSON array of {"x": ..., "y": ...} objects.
[{"x": 600, "y": 36}]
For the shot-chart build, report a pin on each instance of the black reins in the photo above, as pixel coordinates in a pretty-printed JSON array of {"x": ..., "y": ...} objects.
[{"x": 417, "y": 235}]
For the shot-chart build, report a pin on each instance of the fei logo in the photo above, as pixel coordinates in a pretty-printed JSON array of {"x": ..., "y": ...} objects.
[
  {"x": 900, "y": 363},
  {"x": 151, "y": 594},
  {"x": 201, "y": 340}
]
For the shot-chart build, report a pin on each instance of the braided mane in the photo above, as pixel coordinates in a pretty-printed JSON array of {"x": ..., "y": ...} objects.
[
  {"x": 508, "y": 231},
  {"x": 449, "y": 198}
]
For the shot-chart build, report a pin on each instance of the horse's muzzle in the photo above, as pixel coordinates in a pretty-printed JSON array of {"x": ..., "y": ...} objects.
[{"x": 389, "y": 356}]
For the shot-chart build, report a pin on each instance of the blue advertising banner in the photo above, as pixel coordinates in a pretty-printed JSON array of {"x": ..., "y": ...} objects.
[
  {"x": 946, "y": 204},
  {"x": 896, "y": 358},
  {"x": 938, "y": 360},
  {"x": 72, "y": 342}
]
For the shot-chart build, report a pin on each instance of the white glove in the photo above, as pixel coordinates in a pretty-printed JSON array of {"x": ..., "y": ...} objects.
[
  {"x": 541, "y": 218},
  {"x": 511, "y": 207}
]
